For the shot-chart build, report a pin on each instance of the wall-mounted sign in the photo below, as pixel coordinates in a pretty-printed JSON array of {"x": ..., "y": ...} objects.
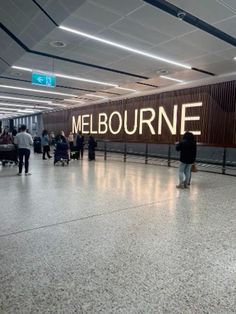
[{"x": 43, "y": 79}]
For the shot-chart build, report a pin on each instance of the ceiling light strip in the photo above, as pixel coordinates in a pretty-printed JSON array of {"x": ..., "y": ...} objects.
[
  {"x": 36, "y": 90},
  {"x": 91, "y": 95},
  {"x": 26, "y": 99},
  {"x": 69, "y": 77},
  {"x": 111, "y": 43},
  {"x": 171, "y": 79},
  {"x": 23, "y": 105}
]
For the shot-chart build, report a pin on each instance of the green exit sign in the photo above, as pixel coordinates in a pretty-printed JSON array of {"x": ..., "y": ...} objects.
[{"x": 43, "y": 79}]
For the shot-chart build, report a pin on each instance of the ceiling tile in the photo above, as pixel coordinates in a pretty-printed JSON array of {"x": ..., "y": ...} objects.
[
  {"x": 178, "y": 50},
  {"x": 153, "y": 18},
  {"x": 136, "y": 30},
  {"x": 227, "y": 54},
  {"x": 95, "y": 14},
  {"x": 228, "y": 26},
  {"x": 205, "y": 41},
  {"x": 122, "y": 7}
]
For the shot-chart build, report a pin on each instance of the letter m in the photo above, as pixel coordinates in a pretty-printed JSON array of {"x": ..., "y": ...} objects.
[{"x": 76, "y": 125}]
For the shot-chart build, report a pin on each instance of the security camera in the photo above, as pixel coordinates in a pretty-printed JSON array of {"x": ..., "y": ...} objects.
[{"x": 181, "y": 15}]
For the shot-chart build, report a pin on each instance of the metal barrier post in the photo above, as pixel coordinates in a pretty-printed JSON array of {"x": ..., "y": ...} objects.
[
  {"x": 169, "y": 155},
  {"x": 105, "y": 151},
  {"x": 146, "y": 154},
  {"x": 125, "y": 152},
  {"x": 224, "y": 162}
]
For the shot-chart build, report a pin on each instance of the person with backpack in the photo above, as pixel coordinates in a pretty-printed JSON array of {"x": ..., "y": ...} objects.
[{"x": 45, "y": 144}]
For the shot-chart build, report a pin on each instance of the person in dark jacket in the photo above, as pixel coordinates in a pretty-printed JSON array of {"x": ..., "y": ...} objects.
[
  {"x": 45, "y": 144},
  {"x": 92, "y": 144},
  {"x": 80, "y": 145},
  {"x": 188, "y": 151}
]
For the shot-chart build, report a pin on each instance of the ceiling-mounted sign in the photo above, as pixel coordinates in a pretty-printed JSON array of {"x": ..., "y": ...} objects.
[{"x": 43, "y": 79}]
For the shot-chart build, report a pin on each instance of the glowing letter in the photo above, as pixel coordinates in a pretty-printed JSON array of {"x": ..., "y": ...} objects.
[
  {"x": 174, "y": 124},
  {"x": 120, "y": 122},
  {"x": 147, "y": 121},
  {"x": 100, "y": 123},
  {"x": 193, "y": 118},
  {"x": 84, "y": 123},
  {"x": 91, "y": 125},
  {"x": 76, "y": 127},
  {"x": 135, "y": 122}
]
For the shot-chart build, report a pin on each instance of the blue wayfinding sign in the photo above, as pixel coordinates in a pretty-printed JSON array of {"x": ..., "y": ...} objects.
[{"x": 43, "y": 79}]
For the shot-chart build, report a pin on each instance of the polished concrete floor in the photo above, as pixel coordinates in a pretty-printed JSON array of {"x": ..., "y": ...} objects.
[{"x": 113, "y": 237}]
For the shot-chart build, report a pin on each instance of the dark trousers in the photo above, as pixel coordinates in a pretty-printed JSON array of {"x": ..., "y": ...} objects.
[
  {"x": 23, "y": 152},
  {"x": 46, "y": 150},
  {"x": 91, "y": 154},
  {"x": 80, "y": 152}
]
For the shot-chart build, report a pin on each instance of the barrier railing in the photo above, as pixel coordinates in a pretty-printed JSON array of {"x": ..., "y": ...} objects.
[{"x": 209, "y": 158}]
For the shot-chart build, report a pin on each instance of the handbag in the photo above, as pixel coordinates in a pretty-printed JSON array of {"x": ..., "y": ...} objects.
[{"x": 194, "y": 168}]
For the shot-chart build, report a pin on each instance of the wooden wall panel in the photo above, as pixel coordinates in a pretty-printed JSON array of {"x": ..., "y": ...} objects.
[{"x": 217, "y": 114}]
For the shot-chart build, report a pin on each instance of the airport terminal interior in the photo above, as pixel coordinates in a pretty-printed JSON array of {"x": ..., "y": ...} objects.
[{"x": 118, "y": 156}]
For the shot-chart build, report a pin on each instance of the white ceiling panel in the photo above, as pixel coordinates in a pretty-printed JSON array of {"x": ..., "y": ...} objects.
[
  {"x": 178, "y": 50},
  {"x": 94, "y": 13},
  {"x": 201, "y": 61},
  {"x": 81, "y": 24},
  {"x": 228, "y": 66},
  {"x": 227, "y": 54},
  {"x": 230, "y": 3},
  {"x": 228, "y": 26},
  {"x": 126, "y": 39},
  {"x": 205, "y": 41},
  {"x": 154, "y": 18},
  {"x": 122, "y": 7},
  {"x": 153, "y": 37},
  {"x": 208, "y": 10}
]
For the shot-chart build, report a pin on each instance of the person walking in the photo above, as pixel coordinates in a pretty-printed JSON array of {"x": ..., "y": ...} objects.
[
  {"x": 92, "y": 144},
  {"x": 23, "y": 140},
  {"x": 188, "y": 150},
  {"x": 80, "y": 145},
  {"x": 45, "y": 144}
]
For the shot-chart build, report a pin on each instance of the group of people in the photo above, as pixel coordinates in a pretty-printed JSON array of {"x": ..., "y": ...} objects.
[
  {"x": 187, "y": 148},
  {"x": 74, "y": 144}
]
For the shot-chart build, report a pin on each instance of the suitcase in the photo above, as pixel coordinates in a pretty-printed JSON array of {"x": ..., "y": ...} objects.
[{"x": 8, "y": 153}]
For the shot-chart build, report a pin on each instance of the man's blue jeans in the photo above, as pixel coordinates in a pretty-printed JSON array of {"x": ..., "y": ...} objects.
[{"x": 184, "y": 173}]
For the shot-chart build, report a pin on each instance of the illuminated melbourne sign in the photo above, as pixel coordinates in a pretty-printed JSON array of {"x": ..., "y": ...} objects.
[{"x": 135, "y": 121}]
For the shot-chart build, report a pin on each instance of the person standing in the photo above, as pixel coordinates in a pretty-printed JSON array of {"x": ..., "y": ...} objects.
[
  {"x": 6, "y": 137},
  {"x": 45, "y": 144},
  {"x": 71, "y": 141},
  {"x": 92, "y": 144},
  {"x": 80, "y": 145},
  {"x": 23, "y": 140},
  {"x": 188, "y": 150}
]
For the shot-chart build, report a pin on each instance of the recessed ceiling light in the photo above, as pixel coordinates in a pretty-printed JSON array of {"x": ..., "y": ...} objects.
[
  {"x": 36, "y": 90},
  {"x": 171, "y": 79},
  {"x": 19, "y": 110},
  {"x": 57, "y": 44},
  {"x": 91, "y": 95},
  {"x": 234, "y": 58},
  {"x": 69, "y": 77},
  {"x": 114, "y": 44},
  {"x": 27, "y": 99}
]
